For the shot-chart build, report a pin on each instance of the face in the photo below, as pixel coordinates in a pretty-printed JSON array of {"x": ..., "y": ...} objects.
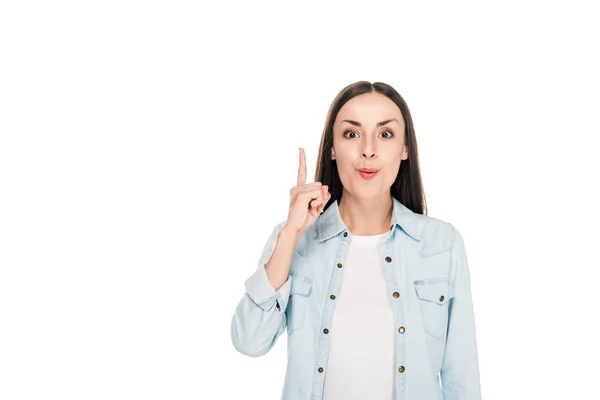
[{"x": 369, "y": 133}]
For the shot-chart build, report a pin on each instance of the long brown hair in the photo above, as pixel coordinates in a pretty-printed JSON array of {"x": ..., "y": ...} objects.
[{"x": 408, "y": 187}]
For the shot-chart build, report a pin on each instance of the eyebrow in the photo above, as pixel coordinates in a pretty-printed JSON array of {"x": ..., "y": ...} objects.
[{"x": 387, "y": 121}]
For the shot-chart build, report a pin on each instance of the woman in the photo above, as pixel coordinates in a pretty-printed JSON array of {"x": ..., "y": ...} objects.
[{"x": 375, "y": 295}]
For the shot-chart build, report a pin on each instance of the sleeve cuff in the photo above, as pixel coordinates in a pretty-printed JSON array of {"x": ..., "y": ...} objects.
[{"x": 261, "y": 292}]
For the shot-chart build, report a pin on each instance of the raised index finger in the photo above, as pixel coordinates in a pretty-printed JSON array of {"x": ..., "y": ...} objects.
[{"x": 302, "y": 168}]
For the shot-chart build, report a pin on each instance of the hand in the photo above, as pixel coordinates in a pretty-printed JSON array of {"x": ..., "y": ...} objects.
[{"x": 306, "y": 200}]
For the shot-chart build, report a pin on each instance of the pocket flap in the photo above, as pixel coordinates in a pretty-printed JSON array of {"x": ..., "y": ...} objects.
[
  {"x": 301, "y": 285},
  {"x": 436, "y": 290}
]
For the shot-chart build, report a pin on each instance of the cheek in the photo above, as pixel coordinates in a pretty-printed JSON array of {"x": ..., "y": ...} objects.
[
  {"x": 346, "y": 171},
  {"x": 392, "y": 167},
  {"x": 392, "y": 159},
  {"x": 345, "y": 155}
]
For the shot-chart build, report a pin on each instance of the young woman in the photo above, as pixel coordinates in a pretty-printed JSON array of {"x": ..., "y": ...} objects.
[{"x": 375, "y": 294}]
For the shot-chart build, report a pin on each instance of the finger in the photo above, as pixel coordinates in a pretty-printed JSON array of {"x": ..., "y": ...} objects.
[
  {"x": 313, "y": 185},
  {"x": 324, "y": 193},
  {"x": 326, "y": 197},
  {"x": 309, "y": 187},
  {"x": 307, "y": 196},
  {"x": 302, "y": 167},
  {"x": 316, "y": 207},
  {"x": 313, "y": 207},
  {"x": 316, "y": 203}
]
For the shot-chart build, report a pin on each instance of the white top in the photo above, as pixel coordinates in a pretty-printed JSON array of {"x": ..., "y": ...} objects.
[{"x": 361, "y": 362}]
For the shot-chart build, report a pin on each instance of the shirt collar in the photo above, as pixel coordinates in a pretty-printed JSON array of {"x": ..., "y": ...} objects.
[{"x": 330, "y": 223}]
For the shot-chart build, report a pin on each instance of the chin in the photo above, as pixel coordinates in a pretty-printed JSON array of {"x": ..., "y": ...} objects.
[{"x": 366, "y": 193}]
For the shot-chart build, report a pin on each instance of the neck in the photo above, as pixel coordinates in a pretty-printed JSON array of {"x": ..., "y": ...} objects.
[{"x": 366, "y": 217}]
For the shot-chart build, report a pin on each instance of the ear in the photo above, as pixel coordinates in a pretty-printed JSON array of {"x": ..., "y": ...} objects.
[
  {"x": 332, "y": 154},
  {"x": 404, "y": 153}
]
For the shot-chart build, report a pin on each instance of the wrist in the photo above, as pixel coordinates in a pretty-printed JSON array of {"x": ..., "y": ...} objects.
[{"x": 290, "y": 233}]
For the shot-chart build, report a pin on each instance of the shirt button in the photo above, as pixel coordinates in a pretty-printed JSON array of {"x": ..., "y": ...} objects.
[
  {"x": 388, "y": 259},
  {"x": 326, "y": 331},
  {"x": 442, "y": 298},
  {"x": 339, "y": 265},
  {"x": 401, "y": 329},
  {"x": 345, "y": 234},
  {"x": 320, "y": 369},
  {"x": 332, "y": 297},
  {"x": 401, "y": 369},
  {"x": 396, "y": 295}
]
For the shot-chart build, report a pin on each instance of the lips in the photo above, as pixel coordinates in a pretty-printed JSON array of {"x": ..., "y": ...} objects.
[
  {"x": 368, "y": 170},
  {"x": 367, "y": 173}
]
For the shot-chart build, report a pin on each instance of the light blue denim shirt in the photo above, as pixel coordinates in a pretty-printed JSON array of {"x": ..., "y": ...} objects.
[{"x": 428, "y": 284}]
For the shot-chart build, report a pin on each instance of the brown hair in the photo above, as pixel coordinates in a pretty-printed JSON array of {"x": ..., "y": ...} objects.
[{"x": 408, "y": 187}]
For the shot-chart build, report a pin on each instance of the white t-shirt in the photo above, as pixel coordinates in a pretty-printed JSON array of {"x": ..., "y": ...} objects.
[{"x": 361, "y": 362}]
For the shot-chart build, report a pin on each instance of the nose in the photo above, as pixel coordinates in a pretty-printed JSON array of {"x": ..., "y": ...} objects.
[
  {"x": 368, "y": 155},
  {"x": 368, "y": 148}
]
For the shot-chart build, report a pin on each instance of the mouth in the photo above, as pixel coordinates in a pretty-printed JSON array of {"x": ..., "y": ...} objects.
[{"x": 367, "y": 173}]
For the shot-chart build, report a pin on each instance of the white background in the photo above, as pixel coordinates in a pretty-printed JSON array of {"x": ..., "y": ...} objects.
[{"x": 148, "y": 148}]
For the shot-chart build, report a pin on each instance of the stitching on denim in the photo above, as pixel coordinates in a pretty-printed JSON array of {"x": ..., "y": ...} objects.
[
  {"x": 426, "y": 255},
  {"x": 431, "y": 281},
  {"x": 303, "y": 255}
]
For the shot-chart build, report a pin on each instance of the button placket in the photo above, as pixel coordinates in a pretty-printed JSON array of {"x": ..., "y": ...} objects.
[
  {"x": 324, "y": 342},
  {"x": 400, "y": 342}
]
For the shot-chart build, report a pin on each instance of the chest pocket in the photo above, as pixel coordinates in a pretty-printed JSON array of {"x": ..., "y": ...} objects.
[
  {"x": 434, "y": 296},
  {"x": 298, "y": 302}
]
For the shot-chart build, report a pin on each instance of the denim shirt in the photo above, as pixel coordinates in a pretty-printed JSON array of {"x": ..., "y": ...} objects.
[{"x": 428, "y": 284}]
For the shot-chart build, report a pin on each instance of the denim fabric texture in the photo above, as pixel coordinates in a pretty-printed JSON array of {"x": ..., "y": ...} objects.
[{"x": 428, "y": 283}]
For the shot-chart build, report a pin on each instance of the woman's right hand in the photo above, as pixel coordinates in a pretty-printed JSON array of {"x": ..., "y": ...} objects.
[{"x": 306, "y": 201}]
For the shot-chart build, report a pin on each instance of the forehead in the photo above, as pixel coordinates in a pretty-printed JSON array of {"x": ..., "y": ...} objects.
[{"x": 369, "y": 108}]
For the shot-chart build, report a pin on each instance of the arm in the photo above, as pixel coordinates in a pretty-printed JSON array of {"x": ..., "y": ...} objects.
[
  {"x": 259, "y": 318},
  {"x": 460, "y": 368}
]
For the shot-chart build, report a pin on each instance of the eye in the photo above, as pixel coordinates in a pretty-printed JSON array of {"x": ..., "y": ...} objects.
[
  {"x": 347, "y": 133},
  {"x": 389, "y": 134}
]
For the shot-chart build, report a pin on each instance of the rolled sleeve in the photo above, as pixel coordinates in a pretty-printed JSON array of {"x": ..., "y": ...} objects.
[
  {"x": 259, "y": 318},
  {"x": 262, "y": 293},
  {"x": 460, "y": 367}
]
